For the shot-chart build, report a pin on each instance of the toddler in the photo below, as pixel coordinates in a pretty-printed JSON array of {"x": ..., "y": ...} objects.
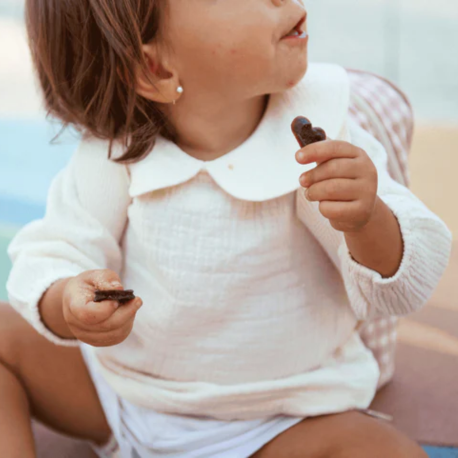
[{"x": 253, "y": 261}]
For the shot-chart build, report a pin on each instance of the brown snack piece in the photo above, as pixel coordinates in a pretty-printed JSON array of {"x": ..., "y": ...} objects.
[
  {"x": 306, "y": 134},
  {"x": 114, "y": 295}
]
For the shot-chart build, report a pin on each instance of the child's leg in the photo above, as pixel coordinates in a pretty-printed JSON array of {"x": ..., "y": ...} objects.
[
  {"x": 48, "y": 382},
  {"x": 346, "y": 435}
]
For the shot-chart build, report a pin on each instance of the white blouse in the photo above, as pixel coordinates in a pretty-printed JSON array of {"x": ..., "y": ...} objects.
[{"x": 251, "y": 298}]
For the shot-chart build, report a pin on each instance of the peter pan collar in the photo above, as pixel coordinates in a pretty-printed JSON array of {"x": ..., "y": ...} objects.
[{"x": 264, "y": 166}]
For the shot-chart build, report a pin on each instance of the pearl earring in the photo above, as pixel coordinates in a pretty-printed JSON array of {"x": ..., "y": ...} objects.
[{"x": 180, "y": 91}]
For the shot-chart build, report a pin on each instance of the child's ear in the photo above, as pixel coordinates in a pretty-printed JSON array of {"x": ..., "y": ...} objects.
[{"x": 158, "y": 81}]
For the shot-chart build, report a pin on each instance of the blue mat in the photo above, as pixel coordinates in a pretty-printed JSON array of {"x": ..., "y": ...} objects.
[
  {"x": 441, "y": 452},
  {"x": 28, "y": 163}
]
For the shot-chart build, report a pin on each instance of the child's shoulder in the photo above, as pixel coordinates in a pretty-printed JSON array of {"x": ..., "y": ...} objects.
[
  {"x": 91, "y": 158},
  {"x": 93, "y": 170},
  {"x": 96, "y": 151}
]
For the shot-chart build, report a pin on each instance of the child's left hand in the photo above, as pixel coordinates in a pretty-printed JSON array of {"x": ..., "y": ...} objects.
[{"x": 345, "y": 183}]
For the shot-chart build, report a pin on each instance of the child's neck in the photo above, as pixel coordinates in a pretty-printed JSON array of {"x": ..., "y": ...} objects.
[{"x": 209, "y": 132}]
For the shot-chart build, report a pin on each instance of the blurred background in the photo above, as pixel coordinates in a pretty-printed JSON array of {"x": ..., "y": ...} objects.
[{"x": 412, "y": 42}]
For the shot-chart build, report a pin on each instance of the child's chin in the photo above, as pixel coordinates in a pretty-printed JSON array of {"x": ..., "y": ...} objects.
[{"x": 298, "y": 77}]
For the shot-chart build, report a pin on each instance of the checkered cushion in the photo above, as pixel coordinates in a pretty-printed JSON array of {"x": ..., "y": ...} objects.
[{"x": 383, "y": 110}]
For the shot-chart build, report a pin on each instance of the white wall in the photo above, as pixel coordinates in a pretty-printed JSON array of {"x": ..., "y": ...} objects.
[{"x": 412, "y": 42}]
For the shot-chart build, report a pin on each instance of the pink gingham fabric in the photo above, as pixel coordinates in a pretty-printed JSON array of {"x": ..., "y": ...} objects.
[{"x": 383, "y": 110}]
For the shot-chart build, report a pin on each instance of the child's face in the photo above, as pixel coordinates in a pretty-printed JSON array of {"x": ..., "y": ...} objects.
[{"x": 236, "y": 46}]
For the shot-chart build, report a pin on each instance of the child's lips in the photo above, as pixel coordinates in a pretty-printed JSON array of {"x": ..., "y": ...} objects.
[
  {"x": 300, "y": 24},
  {"x": 299, "y": 28},
  {"x": 299, "y": 36}
]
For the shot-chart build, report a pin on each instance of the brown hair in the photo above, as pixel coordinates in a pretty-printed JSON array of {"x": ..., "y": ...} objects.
[{"x": 80, "y": 49}]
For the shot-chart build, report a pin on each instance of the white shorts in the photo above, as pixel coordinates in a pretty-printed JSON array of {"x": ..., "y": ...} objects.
[{"x": 143, "y": 433}]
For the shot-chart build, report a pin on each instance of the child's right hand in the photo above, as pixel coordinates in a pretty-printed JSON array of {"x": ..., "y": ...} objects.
[{"x": 100, "y": 324}]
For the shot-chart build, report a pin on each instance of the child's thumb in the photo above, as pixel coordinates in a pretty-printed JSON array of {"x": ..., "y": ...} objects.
[{"x": 106, "y": 279}]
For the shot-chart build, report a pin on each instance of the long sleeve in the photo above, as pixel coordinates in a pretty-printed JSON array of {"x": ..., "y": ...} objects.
[
  {"x": 85, "y": 218},
  {"x": 427, "y": 244}
]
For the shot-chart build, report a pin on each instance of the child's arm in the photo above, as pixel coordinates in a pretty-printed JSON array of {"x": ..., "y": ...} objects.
[
  {"x": 52, "y": 311},
  {"x": 379, "y": 245},
  {"x": 426, "y": 244},
  {"x": 86, "y": 215}
]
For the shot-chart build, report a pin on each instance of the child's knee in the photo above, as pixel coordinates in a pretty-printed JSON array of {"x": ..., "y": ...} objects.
[
  {"x": 355, "y": 435},
  {"x": 13, "y": 333},
  {"x": 390, "y": 445},
  {"x": 384, "y": 451}
]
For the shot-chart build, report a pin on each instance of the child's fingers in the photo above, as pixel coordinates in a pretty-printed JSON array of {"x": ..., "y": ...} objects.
[
  {"x": 341, "y": 211},
  {"x": 89, "y": 313},
  {"x": 338, "y": 189},
  {"x": 83, "y": 308},
  {"x": 104, "y": 279},
  {"x": 123, "y": 314},
  {"x": 325, "y": 150},
  {"x": 335, "y": 168},
  {"x": 108, "y": 338}
]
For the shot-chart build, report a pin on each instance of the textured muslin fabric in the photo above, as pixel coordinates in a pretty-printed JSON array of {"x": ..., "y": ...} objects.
[
  {"x": 251, "y": 298},
  {"x": 142, "y": 433},
  {"x": 382, "y": 109}
]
